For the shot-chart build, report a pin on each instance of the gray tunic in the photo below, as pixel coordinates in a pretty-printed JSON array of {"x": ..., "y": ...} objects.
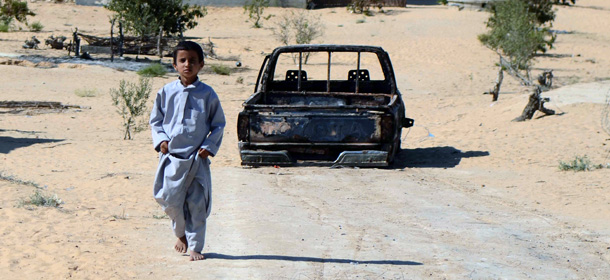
[{"x": 189, "y": 118}]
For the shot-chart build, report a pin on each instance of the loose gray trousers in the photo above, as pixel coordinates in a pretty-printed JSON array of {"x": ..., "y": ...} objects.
[{"x": 183, "y": 188}]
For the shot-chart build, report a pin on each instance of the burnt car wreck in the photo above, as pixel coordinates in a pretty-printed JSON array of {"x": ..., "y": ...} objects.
[{"x": 337, "y": 104}]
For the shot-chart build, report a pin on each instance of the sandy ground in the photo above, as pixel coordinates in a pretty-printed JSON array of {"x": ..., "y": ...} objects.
[{"x": 472, "y": 195}]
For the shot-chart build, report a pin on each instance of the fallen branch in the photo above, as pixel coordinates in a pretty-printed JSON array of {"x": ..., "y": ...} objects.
[{"x": 38, "y": 105}]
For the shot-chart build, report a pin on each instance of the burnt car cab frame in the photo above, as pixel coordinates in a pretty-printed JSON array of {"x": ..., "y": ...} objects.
[{"x": 337, "y": 104}]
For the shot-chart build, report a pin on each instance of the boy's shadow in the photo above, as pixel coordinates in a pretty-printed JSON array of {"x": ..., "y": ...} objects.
[
  {"x": 307, "y": 259},
  {"x": 7, "y": 144},
  {"x": 433, "y": 157}
]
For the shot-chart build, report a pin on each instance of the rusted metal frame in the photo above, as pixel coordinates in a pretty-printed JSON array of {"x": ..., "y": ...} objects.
[
  {"x": 388, "y": 71},
  {"x": 358, "y": 75},
  {"x": 311, "y": 107},
  {"x": 316, "y": 144},
  {"x": 323, "y": 47},
  {"x": 321, "y": 114},
  {"x": 260, "y": 73},
  {"x": 328, "y": 75},
  {"x": 338, "y": 93},
  {"x": 300, "y": 68}
]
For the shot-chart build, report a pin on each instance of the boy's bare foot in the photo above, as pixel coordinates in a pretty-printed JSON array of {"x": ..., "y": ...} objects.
[
  {"x": 196, "y": 256},
  {"x": 181, "y": 245}
]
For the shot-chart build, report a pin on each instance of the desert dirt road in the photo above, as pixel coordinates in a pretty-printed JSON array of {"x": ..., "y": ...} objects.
[{"x": 320, "y": 223}]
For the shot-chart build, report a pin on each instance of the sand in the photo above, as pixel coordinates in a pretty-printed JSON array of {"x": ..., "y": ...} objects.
[{"x": 472, "y": 195}]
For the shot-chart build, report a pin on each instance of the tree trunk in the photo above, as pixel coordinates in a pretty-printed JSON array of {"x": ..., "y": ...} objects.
[
  {"x": 495, "y": 93},
  {"x": 121, "y": 39},
  {"x": 159, "y": 47},
  {"x": 536, "y": 103},
  {"x": 112, "y": 40}
]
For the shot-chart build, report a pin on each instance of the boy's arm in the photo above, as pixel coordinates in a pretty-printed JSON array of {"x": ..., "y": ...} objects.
[
  {"x": 156, "y": 123},
  {"x": 217, "y": 125}
]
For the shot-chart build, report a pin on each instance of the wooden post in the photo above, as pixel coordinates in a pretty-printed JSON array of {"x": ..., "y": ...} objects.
[
  {"x": 76, "y": 43},
  {"x": 159, "y": 49},
  {"x": 112, "y": 40},
  {"x": 121, "y": 39}
]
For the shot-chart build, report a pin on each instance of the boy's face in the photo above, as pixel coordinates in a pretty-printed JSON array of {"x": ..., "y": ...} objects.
[{"x": 188, "y": 64}]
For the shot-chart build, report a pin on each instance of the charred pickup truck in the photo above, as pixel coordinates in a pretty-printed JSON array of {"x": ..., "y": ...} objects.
[{"x": 337, "y": 104}]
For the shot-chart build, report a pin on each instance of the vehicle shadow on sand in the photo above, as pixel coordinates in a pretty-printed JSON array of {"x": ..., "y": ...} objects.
[
  {"x": 433, "y": 157},
  {"x": 307, "y": 259}
]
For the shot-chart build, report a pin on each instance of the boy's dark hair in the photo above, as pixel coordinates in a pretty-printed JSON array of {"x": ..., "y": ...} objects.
[{"x": 188, "y": 46}]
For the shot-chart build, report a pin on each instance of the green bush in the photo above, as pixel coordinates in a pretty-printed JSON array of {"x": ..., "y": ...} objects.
[
  {"x": 36, "y": 26},
  {"x": 130, "y": 100},
  {"x": 14, "y": 9},
  {"x": 146, "y": 17},
  {"x": 221, "y": 69},
  {"x": 579, "y": 163},
  {"x": 153, "y": 70},
  {"x": 41, "y": 200},
  {"x": 4, "y": 27}
]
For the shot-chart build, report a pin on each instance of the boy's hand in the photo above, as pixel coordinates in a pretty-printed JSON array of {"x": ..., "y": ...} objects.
[
  {"x": 163, "y": 147},
  {"x": 203, "y": 153}
]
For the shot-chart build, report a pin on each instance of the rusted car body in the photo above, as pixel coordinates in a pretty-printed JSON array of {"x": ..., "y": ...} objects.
[{"x": 342, "y": 113}]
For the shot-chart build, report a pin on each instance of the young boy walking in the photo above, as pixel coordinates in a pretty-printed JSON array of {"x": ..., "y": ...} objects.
[{"x": 187, "y": 124}]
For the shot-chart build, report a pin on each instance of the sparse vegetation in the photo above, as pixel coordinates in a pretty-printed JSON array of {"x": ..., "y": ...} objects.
[
  {"x": 160, "y": 217},
  {"x": 130, "y": 100},
  {"x": 298, "y": 28},
  {"x": 255, "y": 11},
  {"x": 221, "y": 69},
  {"x": 18, "y": 181},
  {"x": 122, "y": 216},
  {"x": 364, "y": 6},
  {"x": 36, "y": 26},
  {"x": 84, "y": 92},
  {"x": 579, "y": 163},
  {"x": 240, "y": 80},
  {"x": 40, "y": 199},
  {"x": 153, "y": 70}
]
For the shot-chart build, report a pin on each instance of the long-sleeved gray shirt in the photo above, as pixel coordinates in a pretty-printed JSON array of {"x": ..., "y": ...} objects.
[{"x": 188, "y": 118}]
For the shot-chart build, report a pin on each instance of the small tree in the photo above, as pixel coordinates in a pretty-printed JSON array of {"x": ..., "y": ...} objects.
[
  {"x": 148, "y": 17},
  {"x": 255, "y": 11},
  {"x": 14, "y": 9},
  {"x": 518, "y": 30},
  {"x": 130, "y": 100},
  {"x": 298, "y": 28}
]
